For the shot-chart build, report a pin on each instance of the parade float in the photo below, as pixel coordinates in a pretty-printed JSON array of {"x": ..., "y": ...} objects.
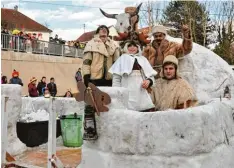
[{"x": 198, "y": 137}]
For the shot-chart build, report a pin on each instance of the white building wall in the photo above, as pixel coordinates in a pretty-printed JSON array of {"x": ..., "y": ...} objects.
[{"x": 45, "y": 35}]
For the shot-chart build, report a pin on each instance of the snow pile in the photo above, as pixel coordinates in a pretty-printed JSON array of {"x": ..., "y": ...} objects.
[
  {"x": 39, "y": 115},
  {"x": 36, "y": 109},
  {"x": 119, "y": 97},
  {"x": 62, "y": 106}
]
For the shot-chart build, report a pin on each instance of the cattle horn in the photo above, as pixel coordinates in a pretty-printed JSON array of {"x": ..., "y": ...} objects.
[
  {"x": 108, "y": 15},
  {"x": 137, "y": 10}
]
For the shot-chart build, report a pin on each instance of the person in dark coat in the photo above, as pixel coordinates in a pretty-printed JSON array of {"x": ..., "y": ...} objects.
[
  {"x": 32, "y": 89},
  {"x": 52, "y": 87},
  {"x": 15, "y": 78},
  {"x": 4, "y": 80},
  {"x": 41, "y": 85},
  {"x": 78, "y": 75}
]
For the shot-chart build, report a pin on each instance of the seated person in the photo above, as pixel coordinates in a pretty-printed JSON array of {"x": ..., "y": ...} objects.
[
  {"x": 134, "y": 72},
  {"x": 46, "y": 92},
  {"x": 170, "y": 90}
]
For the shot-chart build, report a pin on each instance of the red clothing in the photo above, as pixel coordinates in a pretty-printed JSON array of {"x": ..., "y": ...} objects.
[
  {"x": 136, "y": 66},
  {"x": 32, "y": 90}
]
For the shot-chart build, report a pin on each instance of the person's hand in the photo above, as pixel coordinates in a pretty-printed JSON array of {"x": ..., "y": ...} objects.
[
  {"x": 86, "y": 79},
  {"x": 145, "y": 84},
  {"x": 186, "y": 31}
]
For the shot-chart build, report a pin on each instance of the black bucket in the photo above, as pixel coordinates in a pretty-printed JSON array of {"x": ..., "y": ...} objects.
[{"x": 35, "y": 133}]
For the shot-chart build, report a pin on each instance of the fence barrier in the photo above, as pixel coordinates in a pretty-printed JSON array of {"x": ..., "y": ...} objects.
[{"x": 20, "y": 44}]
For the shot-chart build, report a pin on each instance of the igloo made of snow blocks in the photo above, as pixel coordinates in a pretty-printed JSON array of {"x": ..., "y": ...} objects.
[{"x": 198, "y": 137}]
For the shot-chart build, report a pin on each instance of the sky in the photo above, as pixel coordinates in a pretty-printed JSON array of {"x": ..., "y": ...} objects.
[{"x": 67, "y": 18}]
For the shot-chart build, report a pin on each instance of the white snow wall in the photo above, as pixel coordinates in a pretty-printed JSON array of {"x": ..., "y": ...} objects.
[
  {"x": 13, "y": 109},
  {"x": 200, "y": 137},
  {"x": 19, "y": 106}
]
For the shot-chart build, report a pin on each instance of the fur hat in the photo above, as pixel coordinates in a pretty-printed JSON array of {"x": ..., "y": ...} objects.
[
  {"x": 15, "y": 73},
  {"x": 171, "y": 59},
  {"x": 159, "y": 29},
  {"x": 33, "y": 79},
  {"x": 128, "y": 43}
]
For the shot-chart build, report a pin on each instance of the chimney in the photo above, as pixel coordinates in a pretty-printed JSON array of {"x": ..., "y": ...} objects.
[{"x": 16, "y": 7}]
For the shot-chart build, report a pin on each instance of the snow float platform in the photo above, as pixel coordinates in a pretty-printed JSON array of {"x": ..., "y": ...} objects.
[{"x": 198, "y": 137}]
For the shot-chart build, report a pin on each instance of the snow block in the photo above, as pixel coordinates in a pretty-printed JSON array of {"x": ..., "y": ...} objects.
[
  {"x": 15, "y": 146},
  {"x": 196, "y": 137},
  {"x": 119, "y": 97}
]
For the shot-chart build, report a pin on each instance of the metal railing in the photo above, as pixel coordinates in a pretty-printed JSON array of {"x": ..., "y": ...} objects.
[{"x": 21, "y": 44}]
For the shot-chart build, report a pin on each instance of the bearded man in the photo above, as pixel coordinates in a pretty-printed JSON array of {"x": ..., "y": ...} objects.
[
  {"x": 160, "y": 47},
  {"x": 171, "y": 91}
]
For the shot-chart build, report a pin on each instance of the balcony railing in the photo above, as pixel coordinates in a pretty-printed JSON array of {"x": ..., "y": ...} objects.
[{"x": 20, "y": 44}]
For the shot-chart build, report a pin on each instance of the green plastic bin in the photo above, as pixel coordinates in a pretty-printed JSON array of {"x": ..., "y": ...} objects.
[{"x": 71, "y": 127}]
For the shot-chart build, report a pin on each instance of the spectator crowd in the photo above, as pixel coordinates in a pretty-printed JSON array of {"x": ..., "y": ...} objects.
[
  {"x": 19, "y": 40},
  {"x": 32, "y": 42},
  {"x": 42, "y": 89}
]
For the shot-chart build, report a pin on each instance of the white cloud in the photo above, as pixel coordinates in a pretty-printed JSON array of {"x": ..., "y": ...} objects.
[
  {"x": 80, "y": 16},
  {"x": 69, "y": 34},
  {"x": 104, "y": 21},
  {"x": 33, "y": 14},
  {"x": 91, "y": 17},
  {"x": 10, "y": 4},
  {"x": 61, "y": 14}
]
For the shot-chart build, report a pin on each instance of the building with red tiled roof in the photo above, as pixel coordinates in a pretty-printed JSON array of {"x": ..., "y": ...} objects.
[
  {"x": 13, "y": 19},
  {"x": 85, "y": 37}
]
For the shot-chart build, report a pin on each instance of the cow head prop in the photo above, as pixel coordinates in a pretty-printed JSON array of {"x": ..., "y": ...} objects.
[{"x": 125, "y": 23}]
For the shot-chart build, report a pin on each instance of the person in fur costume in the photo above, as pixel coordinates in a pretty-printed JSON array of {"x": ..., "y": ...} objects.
[
  {"x": 134, "y": 72},
  {"x": 160, "y": 47},
  {"x": 99, "y": 55},
  {"x": 171, "y": 91}
]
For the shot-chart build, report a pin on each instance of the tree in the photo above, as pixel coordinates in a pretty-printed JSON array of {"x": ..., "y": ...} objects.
[
  {"x": 225, "y": 30},
  {"x": 192, "y": 13},
  {"x": 151, "y": 12},
  {"x": 226, "y": 39}
]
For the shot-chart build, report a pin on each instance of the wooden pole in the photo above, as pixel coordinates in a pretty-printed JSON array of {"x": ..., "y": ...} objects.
[
  {"x": 149, "y": 16},
  {"x": 51, "y": 134}
]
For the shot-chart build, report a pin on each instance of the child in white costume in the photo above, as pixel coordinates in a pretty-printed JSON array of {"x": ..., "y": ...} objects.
[{"x": 134, "y": 72}]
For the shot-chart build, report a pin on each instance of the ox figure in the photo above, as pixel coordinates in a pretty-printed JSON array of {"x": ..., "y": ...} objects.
[{"x": 126, "y": 25}]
